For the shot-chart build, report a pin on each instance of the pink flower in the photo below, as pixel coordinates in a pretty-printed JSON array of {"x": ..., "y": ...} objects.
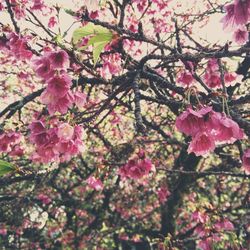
[
  {"x": 3, "y": 231},
  {"x": 43, "y": 68},
  {"x": 230, "y": 77},
  {"x": 52, "y": 22},
  {"x": 205, "y": 244},
  {"x": 228, "y": 131},
  {"x": 59, "y": 59},
  {"x": 38, "y": 5},
  {"x": 8, "y": 140},
  {"x": 44, "y": 199},
  {"x": 80, "y": 99},
  {"x": 201, "y": 144},
  {"x": 16, "y": 151},
  {"x": 136, "y": 168},
  {"x": 163, "y": 194},
  {"x": 212, "y": 79},
  {"x": 199, "y": 217},
  {"x": 246, "y": 161},
  {"x": 61, "y": 104},
  {"x": 18, "y": 47},
  {"x": 65, "y": 131},
  {"x": 228, "y": 19},
  {"x": 59, "y": 85},
  {"x": 95, "y": 183},
  {"x": 241, "y": 11},
  {"x": 240, "y": 36},
  {"x": 237, "y": 14},
  {"x": 185, "y": 78},
  {"x": 190, "y": 121},
  {"x": 224, "y": 225}
]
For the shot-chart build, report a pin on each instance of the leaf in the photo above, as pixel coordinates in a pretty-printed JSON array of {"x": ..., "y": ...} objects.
[
  {"x": 6, "y": 167},
  {"x": 100, "y": 38},
  {"x": 98, "y": 47},
  {"x": 82, "y": 32},
  {"x": 90, "y": 29}
]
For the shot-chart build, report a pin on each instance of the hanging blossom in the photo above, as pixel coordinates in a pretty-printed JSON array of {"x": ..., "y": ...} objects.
[
  {"x": 52, "y": 68},
  {"x": 56, "y": 141},
  {"x": 207, "y": 129},
  {"x": 137, "y": 167}
]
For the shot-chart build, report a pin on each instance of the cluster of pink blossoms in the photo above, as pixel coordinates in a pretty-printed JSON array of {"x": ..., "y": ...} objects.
[
  {"x": 17, "y": 46},
  {"x": 57, "y": 96},
  {"x": 137, "y": 167},
  {"x": 236, "y": 18},
  {"x": 59, "y": 142},
  {"x": 208, "y": 129},
  {"x": 10, "y": 143},
  {"x": 212, "y": 77},
  {"x": 95, "y": 183}
]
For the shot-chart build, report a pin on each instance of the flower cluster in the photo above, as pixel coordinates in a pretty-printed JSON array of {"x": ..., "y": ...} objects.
[
  {"x": 52, "y": 69},
  {"x": 163, "y": 194},
  {"x": 9, "y": 143},
  {"x": 60, "y": 141},
  {"x": 18, "y": 46},
  {"x": 236, "y": 18},
  {"x": 212, "y": 77},
  {"x": 137, "y": 167},
  {"x": 94, "y": 183},
  {"x": 208, "y": 129}
]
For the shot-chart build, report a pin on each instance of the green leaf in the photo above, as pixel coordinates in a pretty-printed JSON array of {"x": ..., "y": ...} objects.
[
  {"x": 90, "y": 29},
  {"x": 6, "y": 167},
  {"x": 98, "y": 47},
  {"x": 70, "y": 12},
  {"x": 100, "y": 38},
  {"x": 82, "y": 32}
]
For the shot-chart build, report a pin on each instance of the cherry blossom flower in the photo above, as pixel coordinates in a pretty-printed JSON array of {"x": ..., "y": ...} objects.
[
  {"x": 3, "y": 231},
  {"x": 65, "y": 131},
  {"x": 43, "y": 68},
  {"x": 95, "y": 183},
  {"x": 201, "y": 144},
  {"x": 237, "y": 14},
  {"x": 185, "y": 78},
  {"x": 163, "y": 193},
  {"x": 45, "y": 199},
  {"x": 224, "y": 224},
  {"x": 38, "y": 5},
  {"x": 59, "y": 59},
  {"x": 8, "y": 140},
  {"x": 18, "y": 46},
  {"x": 228, "y": 130},
  {"x": 52, "y": 22},
  {"x": 59, "y": 85},
  {"x": 136, "y": 168},
  {"x": 190, "y": 121},
  {"x": 246, "y": 161},
  {"x": 61, "y": 104},
  {"x": 240, "y": 36},
  {"x": 241, "y": 11},
  {"x": 80, "y": 99}
]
